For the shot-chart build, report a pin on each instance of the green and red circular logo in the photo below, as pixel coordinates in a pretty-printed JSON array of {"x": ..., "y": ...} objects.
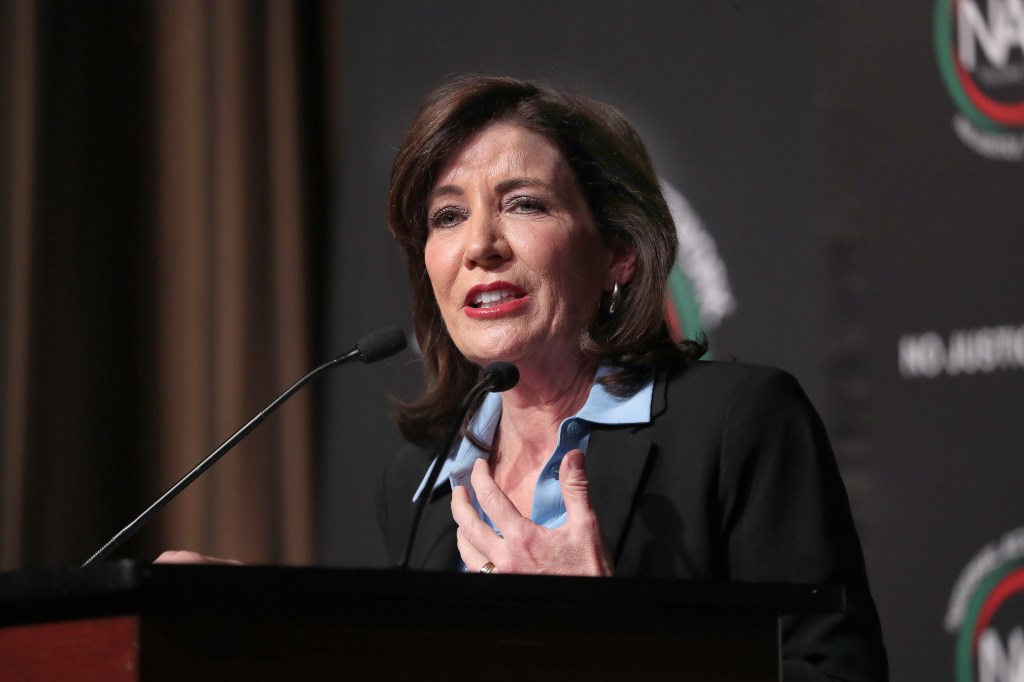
[
  {"x": 698, "y": 295},
  {"x": 987, "y": 614},
  {"x": 980, "y": 49}
]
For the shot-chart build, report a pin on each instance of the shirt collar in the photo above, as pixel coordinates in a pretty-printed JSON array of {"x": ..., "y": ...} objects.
[
  {"x": 601, "y": 408},
  {"x": 604, "y": 408}
]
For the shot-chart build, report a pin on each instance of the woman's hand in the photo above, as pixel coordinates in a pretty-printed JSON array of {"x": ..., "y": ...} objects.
[
  {"x": 185, "y": 557},
  {"x": 575, "y": 548}
]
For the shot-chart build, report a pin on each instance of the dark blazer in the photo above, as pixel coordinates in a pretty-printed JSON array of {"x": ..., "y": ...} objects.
[{"x": 733, "y": 479}]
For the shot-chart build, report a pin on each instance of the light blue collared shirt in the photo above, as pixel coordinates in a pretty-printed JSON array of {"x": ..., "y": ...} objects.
[{"x": 574, "y": 432}]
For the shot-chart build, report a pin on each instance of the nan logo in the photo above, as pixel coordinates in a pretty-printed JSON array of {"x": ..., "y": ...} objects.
[
  {"x": 979, "y": 45},
  {"x": 698, "y": 295},
  {"x": 986, "y": 614}
]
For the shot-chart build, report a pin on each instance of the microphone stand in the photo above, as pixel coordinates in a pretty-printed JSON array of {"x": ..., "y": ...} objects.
[
  {"x": 499, "y": 376},
  {"x": 376, "y": 346}
]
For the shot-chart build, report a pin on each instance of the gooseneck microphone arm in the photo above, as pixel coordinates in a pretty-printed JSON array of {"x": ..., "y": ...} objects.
[
  {"x": 498, "y": 377},
  {"x": 376, "y": 346}
]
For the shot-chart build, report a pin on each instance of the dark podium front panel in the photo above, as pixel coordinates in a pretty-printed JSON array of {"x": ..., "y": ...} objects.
[{"x": 129, "y": 621}]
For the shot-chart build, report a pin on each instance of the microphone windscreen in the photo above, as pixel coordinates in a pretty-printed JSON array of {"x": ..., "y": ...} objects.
[
  {"x": 381, "y": 344},
  {"x": 503, "y": 376}
]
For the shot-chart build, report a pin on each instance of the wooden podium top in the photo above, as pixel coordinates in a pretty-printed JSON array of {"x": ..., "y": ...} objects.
[
  {"x": 129, "y": 587},
  {"x": 130, "y": 621}
]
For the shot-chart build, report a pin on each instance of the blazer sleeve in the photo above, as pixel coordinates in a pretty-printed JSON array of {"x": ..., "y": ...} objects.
[{"x": 786, "y": 518}]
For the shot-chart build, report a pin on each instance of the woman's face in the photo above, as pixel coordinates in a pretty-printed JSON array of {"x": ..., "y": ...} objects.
[{"x": 514, "y": 257}]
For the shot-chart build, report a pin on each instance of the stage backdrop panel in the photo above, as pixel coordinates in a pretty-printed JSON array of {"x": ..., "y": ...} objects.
[
  {"x": 925, "y": 198},
  {"x": 723, "y": 95},
  {"x": 847, "y": 182}
]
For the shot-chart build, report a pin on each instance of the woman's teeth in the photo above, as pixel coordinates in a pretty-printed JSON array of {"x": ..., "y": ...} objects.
[{"x": 489, "y": 299}]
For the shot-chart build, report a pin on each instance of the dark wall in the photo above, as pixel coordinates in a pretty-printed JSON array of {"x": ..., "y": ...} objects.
[
  {"x": 870, "y": 235},
  {"x": 934, "y": 230},
  {"x": 692, "y": 76}
]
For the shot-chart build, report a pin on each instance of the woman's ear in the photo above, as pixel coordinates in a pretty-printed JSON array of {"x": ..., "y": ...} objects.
[{"x": 623, "y": 265}]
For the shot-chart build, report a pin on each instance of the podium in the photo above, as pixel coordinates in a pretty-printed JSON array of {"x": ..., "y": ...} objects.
[{"x": 131, "y": 621}]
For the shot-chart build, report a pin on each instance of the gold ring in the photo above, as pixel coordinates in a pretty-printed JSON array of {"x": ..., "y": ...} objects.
[{"x": 487, "y": 568}]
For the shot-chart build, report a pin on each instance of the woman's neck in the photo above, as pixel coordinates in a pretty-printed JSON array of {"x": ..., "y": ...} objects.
[{"x": 532, "y": 411}]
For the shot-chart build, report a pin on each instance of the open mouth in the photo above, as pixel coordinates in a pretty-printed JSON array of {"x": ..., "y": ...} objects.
[
  {"x": 493, "y": 294},
  {"x": 494, "y": 298}
]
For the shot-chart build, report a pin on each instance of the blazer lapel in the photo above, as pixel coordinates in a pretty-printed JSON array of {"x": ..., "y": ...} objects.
[
  {"x": 435, "y": 544},
  {"x": 616, "y": 459},
  {"x": 615, "y": 464}
]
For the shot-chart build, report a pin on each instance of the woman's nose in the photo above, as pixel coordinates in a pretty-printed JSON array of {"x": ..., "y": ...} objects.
[{"x": 486, "y": 245}]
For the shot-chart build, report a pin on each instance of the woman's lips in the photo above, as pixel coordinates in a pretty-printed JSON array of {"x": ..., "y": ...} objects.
[{"x": 493, "y": 300}]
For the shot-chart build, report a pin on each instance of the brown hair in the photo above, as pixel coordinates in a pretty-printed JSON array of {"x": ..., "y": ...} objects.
[{"x": 621, "y": 188}]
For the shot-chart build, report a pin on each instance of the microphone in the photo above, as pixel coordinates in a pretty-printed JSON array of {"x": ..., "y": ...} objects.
[
  {"x": 501, "y": 376},
  {"x": 498, "y": 377},
  {"x": 379, "y": 345},
  {"x": 375, "y": 346}
]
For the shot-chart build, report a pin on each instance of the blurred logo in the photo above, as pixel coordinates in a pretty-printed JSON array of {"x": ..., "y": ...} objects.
[
  {"x": 986, "y": 613},
  {"x": 979, "y": 45},
  {"x": 699, "y": 295}
]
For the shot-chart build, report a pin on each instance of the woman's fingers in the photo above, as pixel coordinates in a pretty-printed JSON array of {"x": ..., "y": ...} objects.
[
  {"x": 572, "y": 476},
  {"x": 576, "y": 548},
  {"x": 471, "y": 526},
  {"x": 178, "y": 556},
  {"x": 473, "y": 558},
  {"x": 499, "y": 509}
]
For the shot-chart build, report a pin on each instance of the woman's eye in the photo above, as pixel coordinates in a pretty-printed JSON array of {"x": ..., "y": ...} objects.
[
  {"x": 526, "y": 205},
  {"x": 446, "y": 217}
]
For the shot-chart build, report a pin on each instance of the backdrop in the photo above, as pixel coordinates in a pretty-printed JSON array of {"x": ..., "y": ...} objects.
[
  {"x": 192, "y": 201},
  {"x": 848, "y": 182}
]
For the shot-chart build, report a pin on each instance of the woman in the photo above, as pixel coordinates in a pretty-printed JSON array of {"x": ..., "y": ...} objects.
[{"x": 535, "y": 232}]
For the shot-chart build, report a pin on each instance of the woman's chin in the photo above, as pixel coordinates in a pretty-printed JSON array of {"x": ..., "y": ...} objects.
[
  {"x": 538, "y": 351},
  {"x": 492, "y": 345},
  {"x": 487, "y": 358}
]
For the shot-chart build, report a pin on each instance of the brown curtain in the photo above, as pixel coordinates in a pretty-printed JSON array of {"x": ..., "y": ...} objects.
[
  {"x": 156, "y": 263},
  {"x": 17, "y": 31}
]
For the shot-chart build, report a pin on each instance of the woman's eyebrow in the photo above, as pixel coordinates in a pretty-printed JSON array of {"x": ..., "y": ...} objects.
[
  {"x": 516, "y": 183},
  {"x": 446, "y": 191}
]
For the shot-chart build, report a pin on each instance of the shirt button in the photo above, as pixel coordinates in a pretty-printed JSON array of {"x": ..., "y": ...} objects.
[
  {"x": 554, "y": 471},
  {"x": 573, "y": 428}
]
